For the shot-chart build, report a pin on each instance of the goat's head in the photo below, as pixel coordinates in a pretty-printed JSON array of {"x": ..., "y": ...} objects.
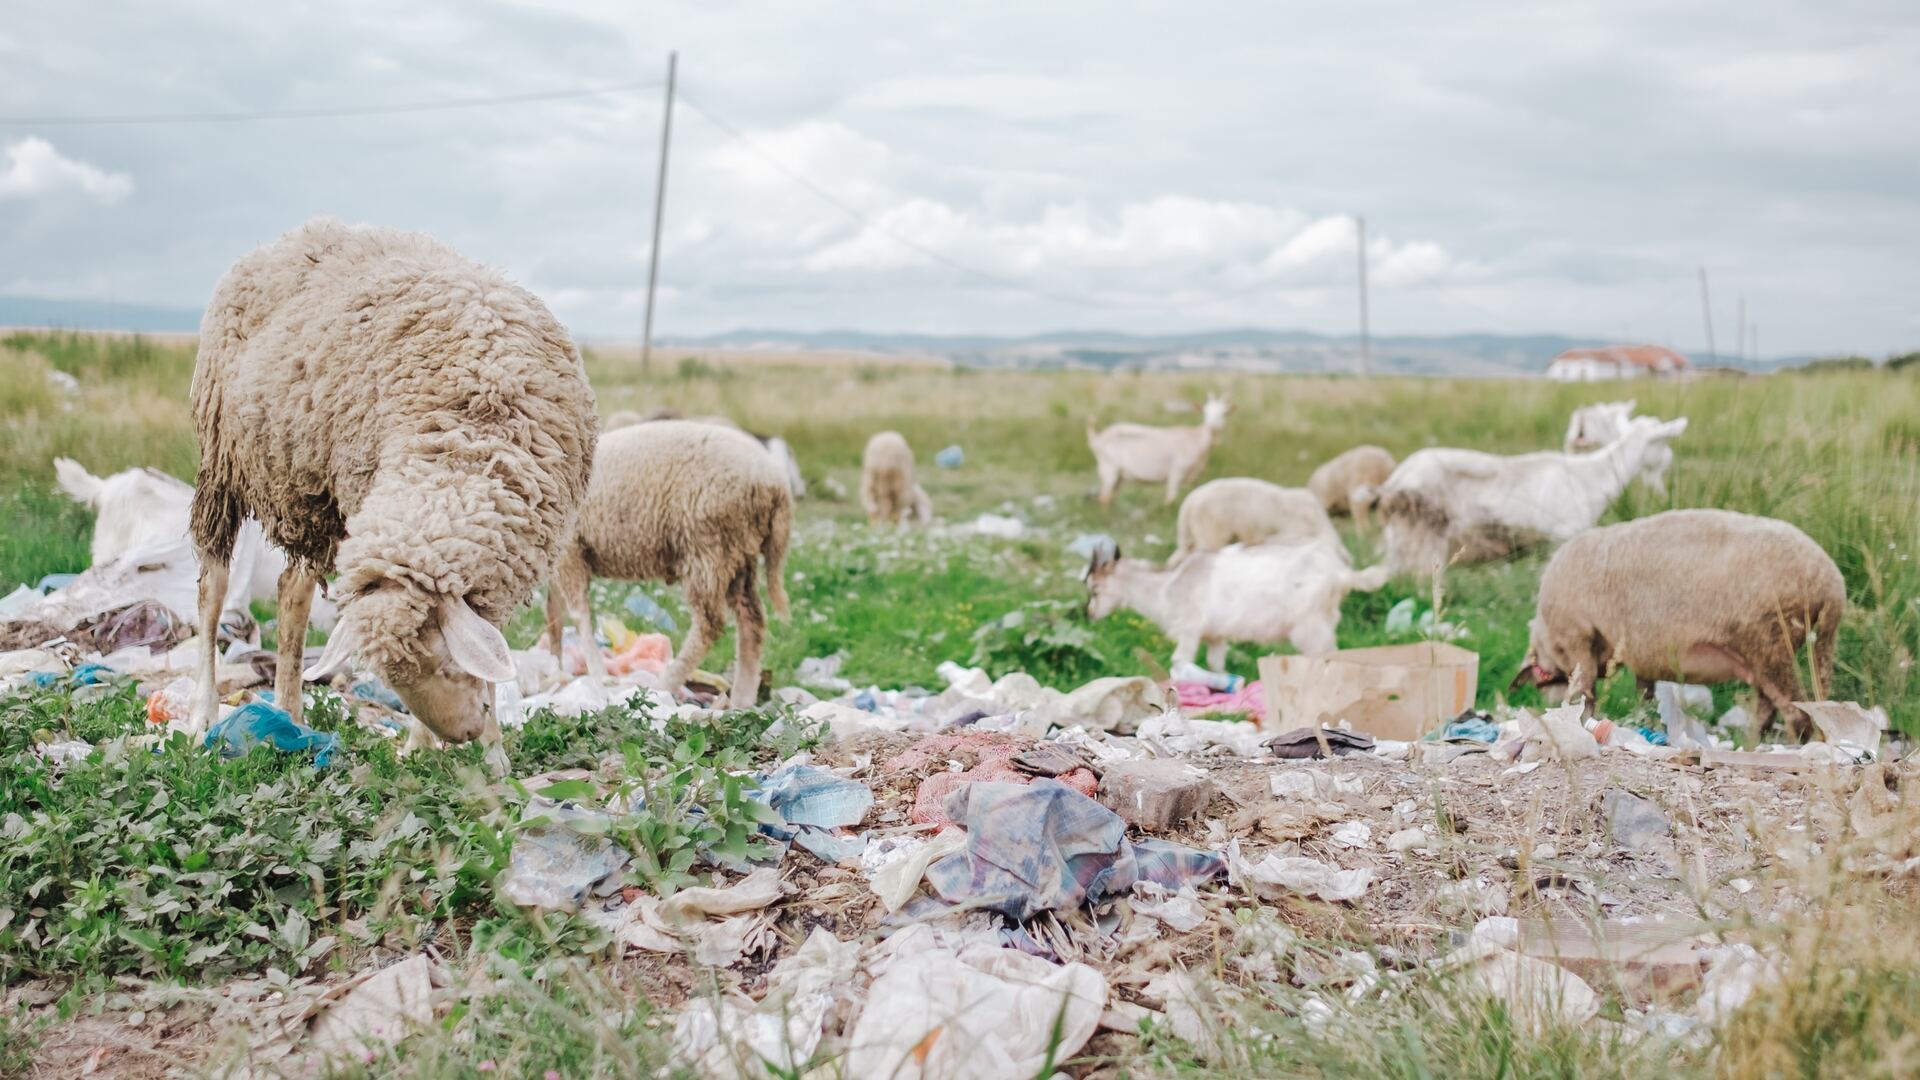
[
  {"x": 444, "y": 671},
  {"x": 1103, "y": 594},
  {"x": 1539, "y": 669},
  {"x": 1598, "y": 424},
  {"x": 1214, "y": 413}
]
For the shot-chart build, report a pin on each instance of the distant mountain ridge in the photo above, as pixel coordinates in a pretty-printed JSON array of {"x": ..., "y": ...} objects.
[{"x": 1249, "y": 349}]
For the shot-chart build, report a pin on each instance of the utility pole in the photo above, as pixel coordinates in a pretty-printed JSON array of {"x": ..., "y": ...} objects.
[
  {"x": 1740, "y": 334},
  {"x": 1360, "y": 233},
  {"x": 659, "y": 208},
  {"x": 1706, "y": 313}
]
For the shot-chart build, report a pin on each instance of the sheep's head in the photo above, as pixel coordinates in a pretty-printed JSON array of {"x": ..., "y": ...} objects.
[
  {"x": 1540, "y": 669},
  {"x": 1214, "y": 413},
  {"x": 437, "y": 653},
  {"x": 1103, "y": 598}
]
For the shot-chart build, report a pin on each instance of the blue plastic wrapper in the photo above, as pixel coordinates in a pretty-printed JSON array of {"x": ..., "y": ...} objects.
[
  {"x": 808, "y": 795},
  {"x": 950, "y": 458},
  {"x": 643, "y": 606},
  {"x": 258, "y": 722}
]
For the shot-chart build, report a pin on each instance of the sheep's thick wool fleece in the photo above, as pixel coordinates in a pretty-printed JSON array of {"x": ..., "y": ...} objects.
[{"x": 371, "y": 394}]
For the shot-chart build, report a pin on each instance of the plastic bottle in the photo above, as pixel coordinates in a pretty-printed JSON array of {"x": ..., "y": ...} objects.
[{"x": 1212, "y": 680}]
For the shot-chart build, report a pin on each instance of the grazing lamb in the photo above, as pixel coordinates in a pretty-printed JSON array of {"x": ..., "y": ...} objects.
[
  {"x": 1153, "y": 455},
  {"x": 888, "y": 492},
  {"x": 782, "y": 452},
  {"x": 1594, "y": 426},
  {"x": 1242, "y": 510},
  {"x": 1265, "y": 594},
  {"x": 1361, "y": 467},
  {"x": 389, "y": 409},
  {"x": 1444, "y": 503},
  {"x": 1690, "y": 596},
  {"x": 687, "y": 502},
  {"x": 137, "y": 507}
]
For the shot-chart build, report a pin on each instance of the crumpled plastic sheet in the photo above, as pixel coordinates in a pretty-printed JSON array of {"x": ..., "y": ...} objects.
[
  {"x": 731, "y": 1036},
  {"x": 1046, "y": 847},
  {"x": 975, "y": 1013},
  {"x": 1182, "y": 736},
  {"x": 556, "y": 866},
  {"x": 810, "y": 795},
  {"x": 1198, "y": 697},
  {"x": 258, "y": 722},
  {"x": 1277, "y": 875}
]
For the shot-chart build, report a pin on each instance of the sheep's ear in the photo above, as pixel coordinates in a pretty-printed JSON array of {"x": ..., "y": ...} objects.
[
  {"x": 341, "y": 646},
  {"x": 476, "y": 645},
  {"x": 1671, "y": 428}
]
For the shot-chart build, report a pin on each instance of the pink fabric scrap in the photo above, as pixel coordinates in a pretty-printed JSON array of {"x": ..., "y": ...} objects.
[{"x": 1197, "y": 698}]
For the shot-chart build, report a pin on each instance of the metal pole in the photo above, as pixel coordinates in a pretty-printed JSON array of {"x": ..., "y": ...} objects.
[
  {"x": 1740, "y": 338},
  {"x": 1706, "y": 313},
  {"x": 659, "y": 208},
  {"x": 1360, "y": 231}
]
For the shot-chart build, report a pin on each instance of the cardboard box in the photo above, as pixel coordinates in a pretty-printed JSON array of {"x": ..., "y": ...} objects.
[{"x": 1389, "y": 692}]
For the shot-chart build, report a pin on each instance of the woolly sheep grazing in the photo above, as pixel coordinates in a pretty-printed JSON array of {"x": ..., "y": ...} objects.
[
  {"x": 681, "y": 501},
  {"x": 386, "y": 408},
  {"x": 1442, "y": 504},
  {"x": 888, "y": 492},
  {"x": 1153, "y": 455},
  {"x": 1247, "y": 511},
  {"x": 1335, "y": 481},
  {"x": 137, "y": 507},
  {"x": 1690, "y": 596},
  {"x": 1264, "y": 594},
  {"x": 1594, "y": 426},
  {"x": 775, "y": 445}
]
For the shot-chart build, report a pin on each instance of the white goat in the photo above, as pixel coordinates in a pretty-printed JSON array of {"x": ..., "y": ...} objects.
[
  {"x": 1442, "y": 503},
  {"x": 135, "y": 508},
  {"x": 1154, "y": 455},
  {"x": 1594, "y": 426},
  {"x": 1264, "y": 594}
]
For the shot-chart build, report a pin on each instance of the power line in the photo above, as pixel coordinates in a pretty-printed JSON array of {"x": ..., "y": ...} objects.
[
  {"x": 864, "y": 221},
  {"x": 326, "y": 112}
]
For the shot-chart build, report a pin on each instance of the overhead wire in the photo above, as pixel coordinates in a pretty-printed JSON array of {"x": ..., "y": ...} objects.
[{"x": 325, "y": 112}]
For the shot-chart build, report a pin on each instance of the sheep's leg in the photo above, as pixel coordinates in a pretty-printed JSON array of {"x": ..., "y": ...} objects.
[
  {"x": 1643, "y": 687},
  {"x": 1777, "y": 685},
  {"x": 1216, "y": 656},
  {"x": 296, "y": 602},
  {"x": 1174, "y": 479},
  {"x": 206, "y": 695},
  {"x": 750, "y": 625},
  {"x": 571, "y": 580},
  {"x": 706, "y": 604},
  {"x": 1185, "y": 649},
  {"x": 1109, "y": 481}
]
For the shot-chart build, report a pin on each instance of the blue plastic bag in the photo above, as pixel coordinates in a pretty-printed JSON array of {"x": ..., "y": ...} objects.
[
  {"x": 643, "y": 606},
  {"x": 257, "y": 722}
]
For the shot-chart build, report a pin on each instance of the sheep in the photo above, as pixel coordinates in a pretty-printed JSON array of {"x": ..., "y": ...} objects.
[
  {"x": 775, "y": 445},
  {"x": 1173, "y": 456},
  {"x": 1444, "y": 503},
  {"x": 389, "y": 409},
  {"x": 888, "y": 492},
  {"x": 1243, "y": 510},
  {"x": 137, "y": 507},
  {"x": 1361, "y": 467},
  {"x": 1689, "y": 596},
  {"x": 682, "y": 501},
  {"x": 1265, "y": 594},
  {"x": 1596, "y": 425}
]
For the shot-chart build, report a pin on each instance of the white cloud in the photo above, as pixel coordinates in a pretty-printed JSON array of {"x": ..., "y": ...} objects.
[{"x": 35, "y": 168}]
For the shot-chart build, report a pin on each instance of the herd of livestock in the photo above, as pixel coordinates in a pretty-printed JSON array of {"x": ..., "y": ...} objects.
[{"x": 371, "y": 405}]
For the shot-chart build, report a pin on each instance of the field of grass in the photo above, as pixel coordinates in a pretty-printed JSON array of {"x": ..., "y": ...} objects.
[
  {"x": 1837, "y": 454},
  {"x": 187, "y": 870}
]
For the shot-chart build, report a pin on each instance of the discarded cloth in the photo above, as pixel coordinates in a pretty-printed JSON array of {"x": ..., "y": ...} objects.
[
  {"x": 1198, "y": 697},
  {"x": 1469, "y": 726},
  {"x": 642, "y": 652},
  {"x": 1046, "y": 847},
  {"x": 984, "y": 755},
  {"x": 1303, "y": 743},
  {"x": 810, "y": 795},
  {"x": 257, "y": 722},
  {"x": 557, "y": 866}
]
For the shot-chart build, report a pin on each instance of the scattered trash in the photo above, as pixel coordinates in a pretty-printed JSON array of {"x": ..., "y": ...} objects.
[
  {"x": 950, "y": 457},
  {"x": 750, "y": 893},
  {"x": 1083, "y": 546},
  {"x": 1212, "y": 680},
  {"x": 1734, "y": 974},
  {"x": 731, "y": 1035},
  {"x": 1314, "y": 784},
  {"x": 1538, "y": 994},
  {"x": 258, "y": 722},
  {"x": 895, "y": 866},
  {"x": 823, "y": 672},
  {"x": 1556, "y": 735},
  {"x": 369, "y": 689},
  {"x": 556, "y": 866},
  {"x": 374, "y": 1010},
  {"x": 1351, "y": 834},
  {"x": 1277, "y": 875},
  {"x": 808, "y": 795},
  {"x": 1648, "y": 959},
  {"x": 1848, "y": 726},
  {"x": 1391, "y": 691},
  {"x": 1307, "y": 743},
  {"x": 1249, "y": 700},
  {"x": 984, "y": 756},
  {"x": 975, "y": 1012},
  {"x": 1469, "y": 726},
  {"x": 997, "y": 525},
  {"x": 1682, "y": 707}
]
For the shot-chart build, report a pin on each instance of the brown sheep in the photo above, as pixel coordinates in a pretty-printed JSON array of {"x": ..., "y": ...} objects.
[
  {"x": 1689, "y": 596},
  {"x": 686, "y": 502},
  {"x": 1361, "y": 467},
  {"x": 888, "y": 492}
]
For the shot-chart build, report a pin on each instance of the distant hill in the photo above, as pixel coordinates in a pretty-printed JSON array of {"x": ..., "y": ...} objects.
[{"x": 1245, "y": 349}]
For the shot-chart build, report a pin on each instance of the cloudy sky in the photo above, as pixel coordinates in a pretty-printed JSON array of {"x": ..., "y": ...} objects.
[{"x": 1010, "y": 167}]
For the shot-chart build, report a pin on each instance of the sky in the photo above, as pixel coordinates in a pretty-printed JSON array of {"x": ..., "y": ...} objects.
[{"x": 997, "y": 167}]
